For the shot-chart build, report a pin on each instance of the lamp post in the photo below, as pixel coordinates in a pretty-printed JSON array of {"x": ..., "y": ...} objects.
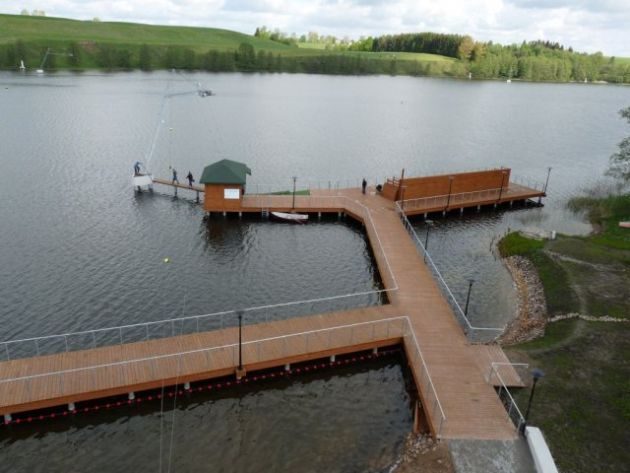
[
  {"x": 546, "y": 184},
  {"x": 470, "y": 285},
  {"x": 503, "y": 173},
  {"x": 536, "y": 375},
  {"x": 450, "y": 188},
  {"x": 240, "y": 340},
  {"x": 294, "y": 180},
  {"x": 426, "y": 239},
  {"x": 402, "y": 197}
]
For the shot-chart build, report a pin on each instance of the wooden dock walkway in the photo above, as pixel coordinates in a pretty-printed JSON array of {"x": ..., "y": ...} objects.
[{"x": 444, "y": 364}]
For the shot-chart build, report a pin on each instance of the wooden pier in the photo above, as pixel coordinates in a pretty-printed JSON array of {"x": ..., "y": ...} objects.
[{"x": 457, "y": 395}]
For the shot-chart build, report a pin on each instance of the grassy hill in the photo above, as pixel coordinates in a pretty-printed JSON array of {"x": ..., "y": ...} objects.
[{"x": 114, "y": 45}]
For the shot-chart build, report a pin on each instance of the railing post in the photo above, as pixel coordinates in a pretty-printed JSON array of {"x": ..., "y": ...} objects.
[
  {"x": 6, "y": 349},
  {"x": 37, "y": 346},
  {"x": 147, "y": 330},
  {"x": 120, "y": 335},
  {"x": 94, "y": 339},
  {"x": 65, "y": 337}
]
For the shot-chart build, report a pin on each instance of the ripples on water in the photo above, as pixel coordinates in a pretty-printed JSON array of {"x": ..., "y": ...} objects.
[
  {"x": 80, "y": 250},
  {"x": 351, "y": 420}
]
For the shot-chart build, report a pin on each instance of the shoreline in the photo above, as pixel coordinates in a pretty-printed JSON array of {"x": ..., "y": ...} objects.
[{"x": 531, "y": 317}]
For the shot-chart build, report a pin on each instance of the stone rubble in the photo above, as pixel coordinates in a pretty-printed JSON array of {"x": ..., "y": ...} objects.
[
  {"x": 415, "y": 445},
  {"x": 532, "y": 315},
  {"x": 532, "y": 306}
]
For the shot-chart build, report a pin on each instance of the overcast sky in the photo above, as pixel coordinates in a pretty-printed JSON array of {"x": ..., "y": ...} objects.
[{"x": 587, "y": 25}]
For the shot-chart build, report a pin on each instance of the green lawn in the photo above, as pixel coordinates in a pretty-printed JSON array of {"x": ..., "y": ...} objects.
[
  {"x": 55, "y": 30},
  {"x": 583, "y": 403}
]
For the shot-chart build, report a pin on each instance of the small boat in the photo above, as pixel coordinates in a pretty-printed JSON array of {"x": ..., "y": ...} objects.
[
  {"x": 286, "y": 217},
  {"x": 139, "y": 179},
  {"x": 204, "y": 93}
]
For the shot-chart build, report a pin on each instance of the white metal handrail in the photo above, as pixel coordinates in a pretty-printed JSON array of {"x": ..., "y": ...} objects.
[
  {"x": 347, "y": 203},
  {"x": 513, "y": 412},
  {"x": 450, "y": 296},
  {"x": 406, "y": 332}
]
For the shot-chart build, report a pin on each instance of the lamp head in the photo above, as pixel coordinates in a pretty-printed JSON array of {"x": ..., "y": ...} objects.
[{"x": 537, "y": 374}]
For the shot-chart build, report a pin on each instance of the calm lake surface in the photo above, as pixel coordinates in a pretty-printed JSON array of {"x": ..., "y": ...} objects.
[{"x": 81, "y": 250}]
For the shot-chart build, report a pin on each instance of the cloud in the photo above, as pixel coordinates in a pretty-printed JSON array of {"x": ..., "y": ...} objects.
[{"x": 586, "y": 25}]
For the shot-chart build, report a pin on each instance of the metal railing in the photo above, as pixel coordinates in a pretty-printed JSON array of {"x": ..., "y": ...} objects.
[
  {"x": 528, "y": 182},
  {"x": 131, "y": 333},
  {"x": 513, "y": 412},
  {"x": 254, "y": 352},
  {"x": 431, "y": 401},
  {"x": 496, "y": 366},
  {"x": 450, "y": 297}
]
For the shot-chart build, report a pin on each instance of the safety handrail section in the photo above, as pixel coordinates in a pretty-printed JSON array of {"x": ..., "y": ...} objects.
[
  {"x": 118, "y": 335},
  {"x": 513, "y": 412},
  {"x": 431, "y": 401},
  {"x": 459, "y": 313},
  {"x": 495, "y": 366},
  {"x": 447, "y": 201},
  {"x": 254, "y": 352},
  {"x": 528, "y": 182}
]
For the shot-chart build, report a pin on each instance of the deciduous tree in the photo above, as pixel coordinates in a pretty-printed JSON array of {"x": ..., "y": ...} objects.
[{"x": 620, "y": 161}]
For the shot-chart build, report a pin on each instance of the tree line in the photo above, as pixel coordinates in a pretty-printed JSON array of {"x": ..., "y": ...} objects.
[
  {"x": 532, "y": 61},
  {"x": 245, "y": 59}
]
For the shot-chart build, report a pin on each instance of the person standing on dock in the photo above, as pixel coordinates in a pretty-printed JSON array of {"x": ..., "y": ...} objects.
[
  {"x": 190, "y": 178},
  {"x": 363, "y": 185},
  {"x": 174, "y": 175}
]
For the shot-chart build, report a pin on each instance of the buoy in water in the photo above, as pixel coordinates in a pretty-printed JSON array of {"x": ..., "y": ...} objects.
[{"x": 167, "y": 260}]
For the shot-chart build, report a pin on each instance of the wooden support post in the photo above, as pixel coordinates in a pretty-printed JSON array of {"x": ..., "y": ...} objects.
[
  {"x": 224, "y": 213},
  {"x": 131, "y": 396},
  {"x": 197, "y": 200},
  {"x": 479, "y": 208},
  {"x": 175, "y": 190},
  {"x": 7, "y": 418},
  {"x": 332, "y": 358},
  {"x": 287, "y": 367},
  {"x": 240, "y": 214},
  {"x": 375, "y": 351},
  {"x": 71, "y": 406},
  {"x": 187, "y": 386},
  {"x": 416, "y": 418},
  {"x": 461, "y": 210}
]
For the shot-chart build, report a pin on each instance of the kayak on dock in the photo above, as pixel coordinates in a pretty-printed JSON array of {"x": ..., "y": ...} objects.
[{"x": 286, "y": 217}]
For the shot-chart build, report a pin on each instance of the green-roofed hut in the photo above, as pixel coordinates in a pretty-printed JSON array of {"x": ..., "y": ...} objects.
[{"x": 224, "y": 183}]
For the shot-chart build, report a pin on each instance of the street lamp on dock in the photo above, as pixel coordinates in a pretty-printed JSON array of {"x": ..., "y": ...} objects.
[
  {"x": 503, "y": 174},
  {"x": 450, "y": 188},
  {"x": 536, "y": 375},
  {"x": 240, "y": 340},
  {"x": 470, "y": 285},
  {"x": 426, "y": 239},
  {"x": 546, "y": 184}
]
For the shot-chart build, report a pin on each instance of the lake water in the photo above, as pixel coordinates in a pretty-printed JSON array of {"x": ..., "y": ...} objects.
[{"x": 81, "y": 250}]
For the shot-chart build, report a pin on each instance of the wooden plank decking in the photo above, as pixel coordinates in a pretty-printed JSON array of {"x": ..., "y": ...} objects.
[{"x": 470, "y": 403}]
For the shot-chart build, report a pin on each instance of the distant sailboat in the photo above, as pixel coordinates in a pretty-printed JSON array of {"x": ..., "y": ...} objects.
[{"x": 22, "y": 66}]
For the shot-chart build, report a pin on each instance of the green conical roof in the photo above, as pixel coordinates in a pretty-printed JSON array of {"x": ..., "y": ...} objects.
[{"x": 225, "y": 171}]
